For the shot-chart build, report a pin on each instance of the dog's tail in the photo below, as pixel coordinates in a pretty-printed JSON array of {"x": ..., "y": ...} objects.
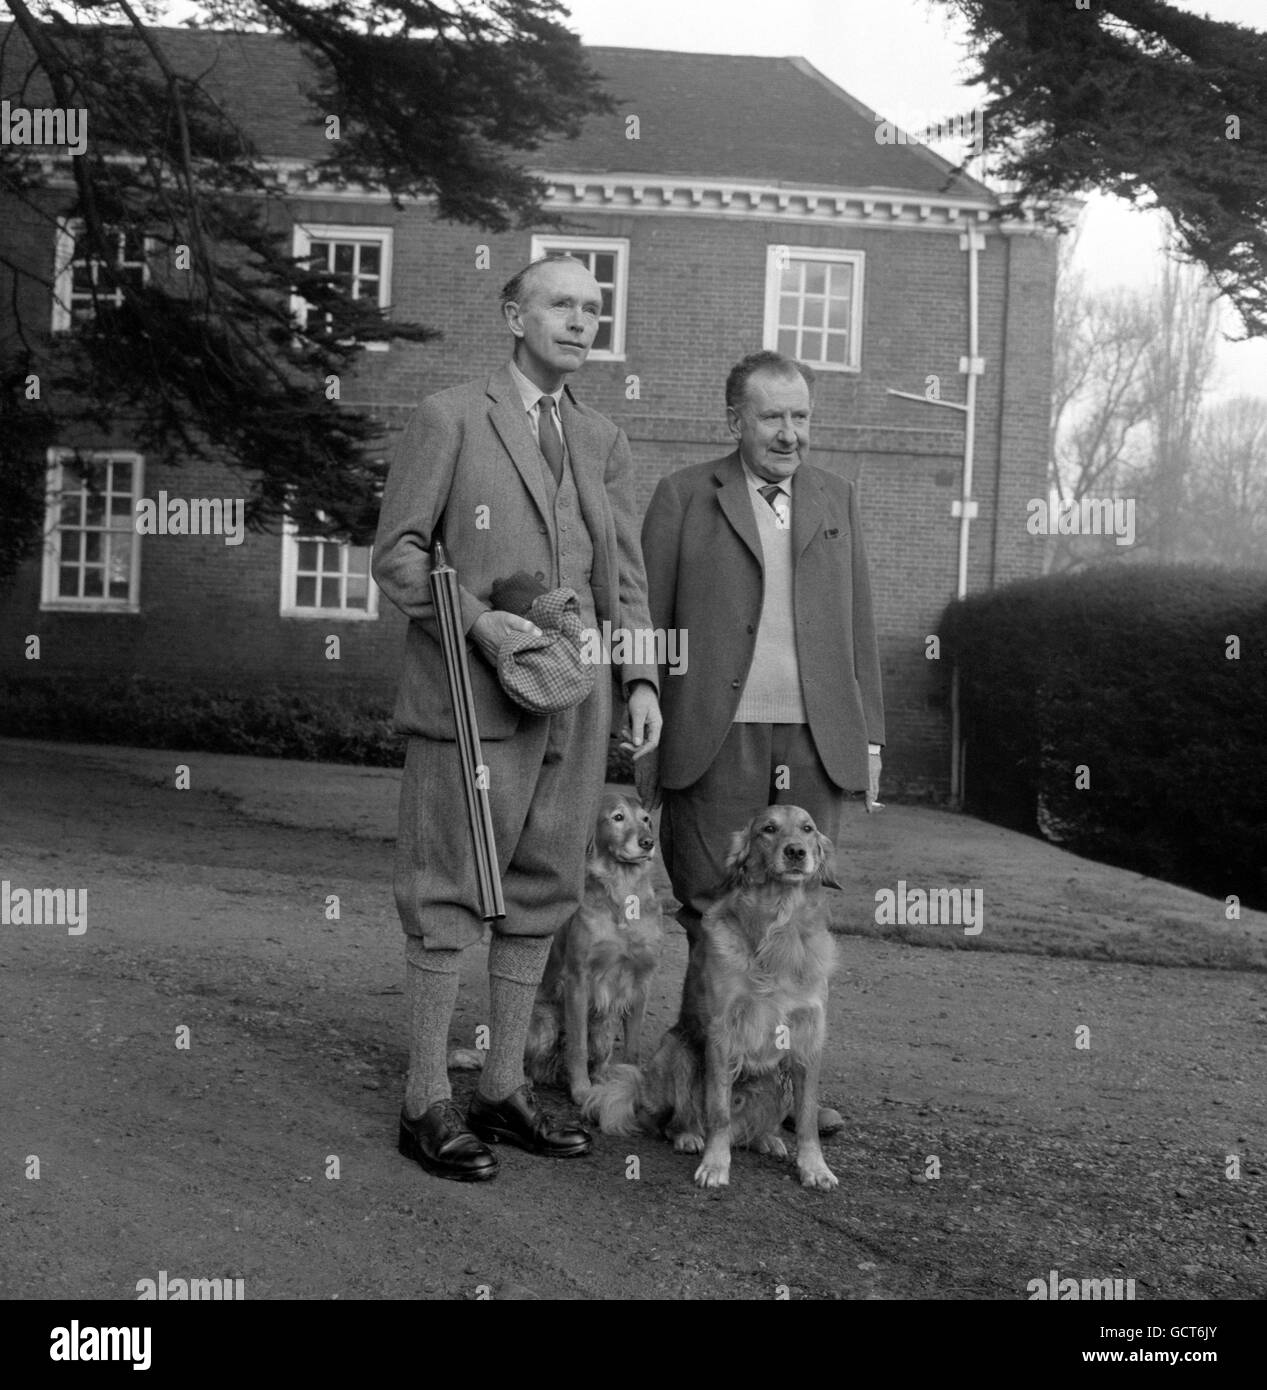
[{"x": 615, "y": 1104}]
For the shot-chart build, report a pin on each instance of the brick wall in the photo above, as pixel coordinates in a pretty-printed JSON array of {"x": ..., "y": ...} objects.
[{"x": 695, "y": 304}]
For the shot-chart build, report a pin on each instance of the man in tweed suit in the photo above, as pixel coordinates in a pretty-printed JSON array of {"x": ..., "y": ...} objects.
[{"x": 515, "y": 477}]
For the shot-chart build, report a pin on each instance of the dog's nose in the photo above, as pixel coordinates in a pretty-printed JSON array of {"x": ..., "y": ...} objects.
[
  {"x": 794, "y": 854},
  {"x": 646, "y": 842}
]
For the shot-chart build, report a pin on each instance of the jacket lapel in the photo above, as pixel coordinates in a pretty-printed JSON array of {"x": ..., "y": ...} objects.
[
  {"x": 808, "y": 505},
  {"x": 586, "y": 454},
  {"x": 736, "y": 503},
  {"x": 510, "y": 420}
]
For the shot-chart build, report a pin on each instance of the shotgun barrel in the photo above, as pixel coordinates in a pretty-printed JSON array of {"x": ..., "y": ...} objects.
[{"x": 444, "y": 594}]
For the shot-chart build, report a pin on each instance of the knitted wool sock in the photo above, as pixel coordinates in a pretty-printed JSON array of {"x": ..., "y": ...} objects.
[
  {"x": 431, "y": 984},
  {"x": 515, "y": 967}
]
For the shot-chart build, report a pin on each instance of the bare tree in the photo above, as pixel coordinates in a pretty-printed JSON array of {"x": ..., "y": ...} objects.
[
  {"x": 1177, "y": 371},
  {"x": 1225, "y": 521}
]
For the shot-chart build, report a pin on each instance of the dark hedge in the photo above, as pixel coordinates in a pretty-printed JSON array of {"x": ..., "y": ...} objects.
[
  {"x": 267, "y": 723},
  {"x": 1123, "y": 670}
]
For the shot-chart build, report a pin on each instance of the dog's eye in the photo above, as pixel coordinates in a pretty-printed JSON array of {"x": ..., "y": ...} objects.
[
  {"x": 618, "y": 815},
  {"x": 769, "y": 829},
  {"x": 808, "y": 829}
]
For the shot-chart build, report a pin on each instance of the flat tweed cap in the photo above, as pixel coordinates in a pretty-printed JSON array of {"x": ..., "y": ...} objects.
[{"x": 546, "y": 675}]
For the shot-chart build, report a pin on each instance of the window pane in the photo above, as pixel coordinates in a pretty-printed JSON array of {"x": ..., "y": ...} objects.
[
  {"x": 329, "y": 560},
  {"x": 812, "y": 347},
  {"x": 605, "y": 267},
  {"x": 838, "y": 348},
  {"x": 815, "y": 309},
  {"x": 92, "y": 546},
  {"x": 370, "y": 254},
  {"x": 306, "y": 593},
  {"x": 343, "y": 256},
  {"x": 96, "y": 509},
  {"x": 787, "y": 342},
  {"x": 840, "y": 313},
  {"x": 308, "y": 555},
  {"x": 789, "y": 307},
  {"x": 359, "y": 560},
  {"x": 606, "y": 310},
  {"x": 603, "y": 338},
  {"x": 71, "y": 511},
  {"x": 120, "y": 507},
  {"x": 68, "y": 582},
  {"x": 790, "y": 280},
  {"x": 358, "y": 591},
  {"x": 319, "y": 255},
  {"x": 815, "y": 277},
  {"x": 93, "y": 583},
  {"x": 330, "y": 592},
  {"x": 81, "y": 277},
  {"x": 118, "y": 588}
]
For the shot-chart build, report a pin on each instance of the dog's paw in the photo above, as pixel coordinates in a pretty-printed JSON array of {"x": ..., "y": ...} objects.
[
  {"x": 770, "y": 1144},
  {"x": 689, "y": 1143},
  {"x": 817, "y": 1175},
  {"x": 713, "y": 1173}
]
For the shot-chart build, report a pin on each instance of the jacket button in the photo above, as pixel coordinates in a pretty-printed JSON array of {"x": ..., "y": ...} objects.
[
  {"x": 734, "y": 685},
  {"x": 541, "y": 576},
  {"x": 751, "y": 628}
]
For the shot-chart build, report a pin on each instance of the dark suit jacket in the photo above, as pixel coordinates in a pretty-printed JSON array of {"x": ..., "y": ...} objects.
[
  {"x": 706, "y": 574},
  {"x": 468, "y": 472}
]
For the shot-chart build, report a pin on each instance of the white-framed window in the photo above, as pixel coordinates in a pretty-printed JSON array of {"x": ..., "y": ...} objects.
[
  {"x": 813, "y": 306},
  {"x": 323, "y": 578},
  {"x": 360, "y": 258},
  {"x": 92, "y": 549},
  {"x": 78, "y": 283},
  {"x": 607, "y": 260}
]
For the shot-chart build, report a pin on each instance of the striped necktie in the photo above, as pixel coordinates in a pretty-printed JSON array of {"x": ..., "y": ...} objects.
[
  {"x": 548, "y": 437},
  {"x": 772, "y": 492}
]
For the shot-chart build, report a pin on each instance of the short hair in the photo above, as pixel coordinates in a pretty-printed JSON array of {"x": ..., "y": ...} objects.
[
  {"x": 512, "y": 290},
  {"x": 765, "y": 361}
]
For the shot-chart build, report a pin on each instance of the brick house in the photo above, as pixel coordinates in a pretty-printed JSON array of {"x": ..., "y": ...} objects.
[{"x": 729, "y": 203}]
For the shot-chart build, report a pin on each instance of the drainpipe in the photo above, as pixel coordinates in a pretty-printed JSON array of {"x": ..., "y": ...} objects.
[{"x": 963, "y": 507}]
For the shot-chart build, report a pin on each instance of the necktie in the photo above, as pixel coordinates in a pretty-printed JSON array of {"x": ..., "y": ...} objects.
[
  {"x": 548, "y": 437},
  {"x": 771, "y": 492}
]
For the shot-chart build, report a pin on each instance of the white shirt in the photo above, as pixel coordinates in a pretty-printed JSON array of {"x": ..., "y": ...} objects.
[
  {"x": 782, "y": 499},
  {"x": 531, "y": 394}
]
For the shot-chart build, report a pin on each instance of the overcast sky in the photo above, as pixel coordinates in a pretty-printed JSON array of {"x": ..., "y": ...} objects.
[{"x": 905, "y": 56}]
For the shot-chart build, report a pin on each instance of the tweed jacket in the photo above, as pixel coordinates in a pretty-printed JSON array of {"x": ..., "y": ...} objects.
[
  {"x": 705, "y": 573},
  {"x": 467, "y": 471}
]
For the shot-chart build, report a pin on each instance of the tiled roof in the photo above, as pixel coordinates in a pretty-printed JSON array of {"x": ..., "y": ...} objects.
[{"x": 708, "y": 115}]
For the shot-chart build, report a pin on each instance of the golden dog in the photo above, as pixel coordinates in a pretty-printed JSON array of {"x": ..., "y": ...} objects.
[
  {"x": 602, "y": 960},
  {"x": 753, "y": 1016}
]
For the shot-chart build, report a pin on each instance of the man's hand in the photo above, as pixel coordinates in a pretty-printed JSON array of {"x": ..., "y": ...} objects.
[
  {"x": 491, "y": 629},
  {"x": 640, "y": 732}
]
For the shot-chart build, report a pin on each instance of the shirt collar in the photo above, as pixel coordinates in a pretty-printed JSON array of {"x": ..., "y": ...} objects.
[
  {"x": 530, "y": 391},
  {"x": 756, "y": 482}
]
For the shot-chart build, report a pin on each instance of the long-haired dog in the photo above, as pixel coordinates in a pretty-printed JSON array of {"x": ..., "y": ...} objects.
[
  {"x": 747, "y": 1047},
  {"x": 602, "y": 959}
]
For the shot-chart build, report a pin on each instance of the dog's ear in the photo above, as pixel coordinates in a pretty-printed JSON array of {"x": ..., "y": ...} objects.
[
  {"x": 826, "y": 873},
  {"x": 737, "y": 874}
]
